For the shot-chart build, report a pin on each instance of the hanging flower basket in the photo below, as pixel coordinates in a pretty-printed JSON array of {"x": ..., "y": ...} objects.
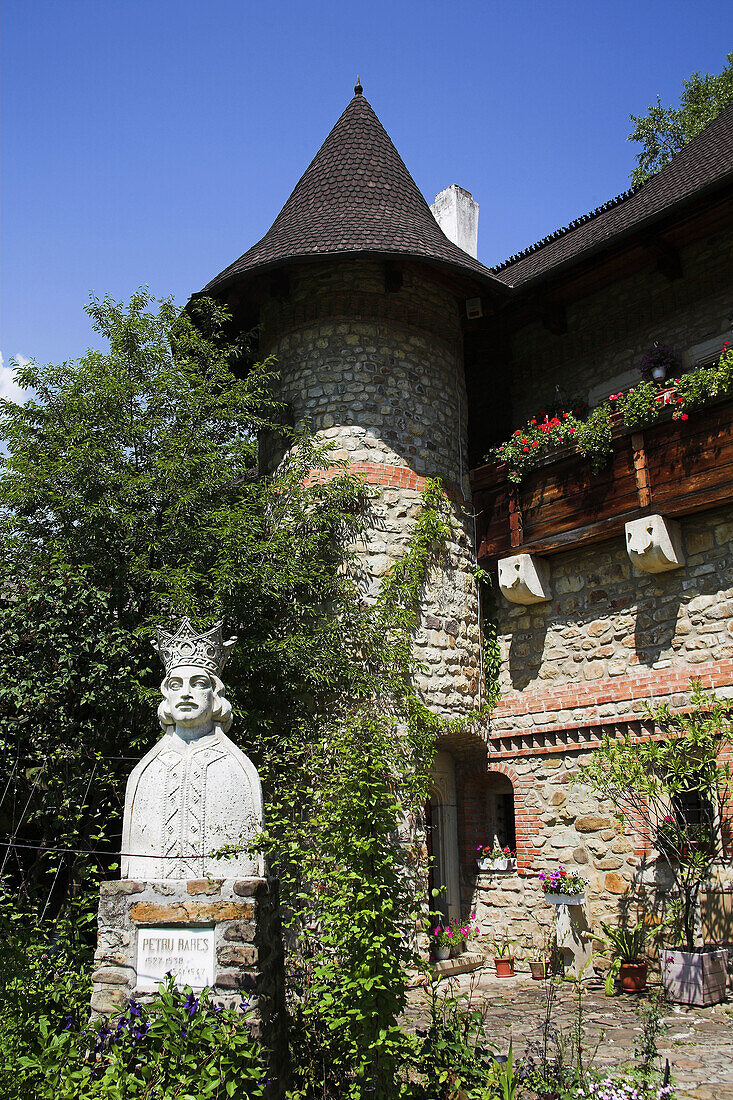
[
  {"x": 562, "y": 887},
  {"x": 565, "y": 899}
]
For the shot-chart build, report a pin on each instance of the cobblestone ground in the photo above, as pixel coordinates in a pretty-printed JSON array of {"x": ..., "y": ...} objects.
[{"x": 697, "y": 1041}]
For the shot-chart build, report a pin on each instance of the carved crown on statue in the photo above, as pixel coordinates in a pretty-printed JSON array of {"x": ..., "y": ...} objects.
[{"x": 186, "y": 647}]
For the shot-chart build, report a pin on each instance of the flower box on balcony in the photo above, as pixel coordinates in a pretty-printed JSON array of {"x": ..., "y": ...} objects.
[{"x": 672, "y": 466}]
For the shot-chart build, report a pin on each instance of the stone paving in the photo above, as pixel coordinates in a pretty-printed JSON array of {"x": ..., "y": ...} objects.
[{"x": 697, "y": 1041}]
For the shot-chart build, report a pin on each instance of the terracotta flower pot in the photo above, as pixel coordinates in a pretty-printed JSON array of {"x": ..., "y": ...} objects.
[
  {"x": 632, "y": 976},
  {"x": 504, "y": 966},
  {"x": 538, "y": 969}
]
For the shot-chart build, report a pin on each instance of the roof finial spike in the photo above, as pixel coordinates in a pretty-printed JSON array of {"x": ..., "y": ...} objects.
[{"x": 358, "y": 90}]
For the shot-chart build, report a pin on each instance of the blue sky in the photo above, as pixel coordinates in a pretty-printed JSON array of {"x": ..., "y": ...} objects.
[{"x": 153, "y": 141}]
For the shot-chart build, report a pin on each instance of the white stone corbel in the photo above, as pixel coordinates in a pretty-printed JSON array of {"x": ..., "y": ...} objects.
[
  {"x": 654, "y": 544},
  {"x": 525, "y": 579}
]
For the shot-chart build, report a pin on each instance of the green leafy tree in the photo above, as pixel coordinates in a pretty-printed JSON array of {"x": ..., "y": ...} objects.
[
  {"x": 663, "y": 131},
  {"x": 653, "y": 782},
  {"x": 129, "y": 493}
]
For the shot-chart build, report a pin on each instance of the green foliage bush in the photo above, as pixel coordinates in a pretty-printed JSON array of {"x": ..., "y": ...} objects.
[
  {"x": 45, "y": 987},
  {"x": 180, "y": 1045},
  {"x": 646, "y": 779},
  {"x": 453, "y": 1057}
]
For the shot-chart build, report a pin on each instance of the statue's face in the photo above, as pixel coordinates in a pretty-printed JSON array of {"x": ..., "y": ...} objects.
[{"x": 190, "y": 694}]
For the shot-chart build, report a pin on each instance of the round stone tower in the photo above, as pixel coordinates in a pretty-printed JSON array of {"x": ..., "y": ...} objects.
[{"x": 360, "y": 298}]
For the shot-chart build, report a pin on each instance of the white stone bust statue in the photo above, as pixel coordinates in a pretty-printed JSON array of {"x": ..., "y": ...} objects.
[{"x": 194, "y": 793}]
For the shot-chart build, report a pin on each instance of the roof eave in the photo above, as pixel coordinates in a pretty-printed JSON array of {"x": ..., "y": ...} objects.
[
  {"x": 609, "y": 243},
  {"x": 487, "y": 282}
]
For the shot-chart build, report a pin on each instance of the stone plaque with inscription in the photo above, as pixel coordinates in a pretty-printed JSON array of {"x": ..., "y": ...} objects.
[{"x": 185, "y": 952}]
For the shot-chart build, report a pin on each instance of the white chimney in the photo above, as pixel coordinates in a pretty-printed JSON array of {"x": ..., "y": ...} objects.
[{"x": 456, "y": 212}]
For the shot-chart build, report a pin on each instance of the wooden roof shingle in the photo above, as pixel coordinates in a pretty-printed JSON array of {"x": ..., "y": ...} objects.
[{"x": 355, "y": 197}]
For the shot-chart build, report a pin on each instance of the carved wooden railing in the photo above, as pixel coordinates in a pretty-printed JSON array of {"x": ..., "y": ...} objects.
[{"x": 672, "y": 467}]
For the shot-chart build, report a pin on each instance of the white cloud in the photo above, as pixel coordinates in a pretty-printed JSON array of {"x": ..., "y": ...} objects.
[{"x": 9, "y": 388}]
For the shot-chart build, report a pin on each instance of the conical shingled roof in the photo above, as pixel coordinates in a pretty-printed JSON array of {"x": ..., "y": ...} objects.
[{"x": 356, "y": 196}]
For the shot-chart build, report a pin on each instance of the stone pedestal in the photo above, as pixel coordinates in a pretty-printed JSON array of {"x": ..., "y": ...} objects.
[
  {"x": 222, "y": 933},
  {"x": 574, "y": 939}
]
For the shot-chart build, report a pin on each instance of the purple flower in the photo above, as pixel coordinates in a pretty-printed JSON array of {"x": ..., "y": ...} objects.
[{"x": 191, "y": 1004}]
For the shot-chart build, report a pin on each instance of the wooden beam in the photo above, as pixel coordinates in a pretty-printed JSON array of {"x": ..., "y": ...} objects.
[
  {"x": 641, "y": 470},
  {"x": 392, "y": 277},
  {"x": 553, "y": 316},
  {"x": 516, "y": 533},
  {"x": 684, "y": 505},
  {"x": 668, "y": 259}
]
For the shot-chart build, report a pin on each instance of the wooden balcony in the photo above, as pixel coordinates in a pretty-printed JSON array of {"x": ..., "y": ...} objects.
[{"x": 672, "y": 467}]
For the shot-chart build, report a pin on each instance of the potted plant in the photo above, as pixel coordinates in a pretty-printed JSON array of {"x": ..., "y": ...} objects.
[
  {"x": 541, "y": 956},
  {"x": 442, "y": 942},
  {"x": 539, "y": 966},
  {"x": 562, "y": 887},
  {"x": 503, "y": 957},
  {"x": 461, "y": 932},
  {"x": 628, "y": 962},
  {"x": 675, "y": 788},
  {"x": 485, "y": 857},
  {"x": 511, "y": 859},
  {"x": 495, "y": 858},
  {"x": 659, "y": 362}
]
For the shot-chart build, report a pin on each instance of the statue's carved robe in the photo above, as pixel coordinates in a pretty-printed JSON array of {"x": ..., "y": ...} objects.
[{"x": 185, "y": 800}]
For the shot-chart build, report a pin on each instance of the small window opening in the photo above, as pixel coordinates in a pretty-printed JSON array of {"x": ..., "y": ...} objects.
[{"x": 500, "y": 817}]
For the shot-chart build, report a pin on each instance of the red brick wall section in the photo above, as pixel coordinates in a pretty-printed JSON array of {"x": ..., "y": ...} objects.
[
  {"x": 472, "y": 815},
  {"x": 643, "y": 685},
  {"x": 380, "y": 473}
]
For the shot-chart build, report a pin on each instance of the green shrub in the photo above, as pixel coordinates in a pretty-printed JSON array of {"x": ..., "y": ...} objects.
[{"x": 180, "y": 1045}]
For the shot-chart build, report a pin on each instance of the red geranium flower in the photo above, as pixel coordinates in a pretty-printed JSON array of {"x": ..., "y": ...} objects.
[{"x": 684, "y": 416}]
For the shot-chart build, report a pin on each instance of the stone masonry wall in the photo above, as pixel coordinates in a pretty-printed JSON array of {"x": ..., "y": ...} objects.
[
  {"x": 608, "y": 620},
  {"x": 565, "y": 824},
  {"x": 379, "y": 374},
  {"x": 609, "y": 331}
]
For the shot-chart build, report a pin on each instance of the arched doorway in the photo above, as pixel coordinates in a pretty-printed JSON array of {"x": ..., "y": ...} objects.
[{"x": 442, "y": 828}]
